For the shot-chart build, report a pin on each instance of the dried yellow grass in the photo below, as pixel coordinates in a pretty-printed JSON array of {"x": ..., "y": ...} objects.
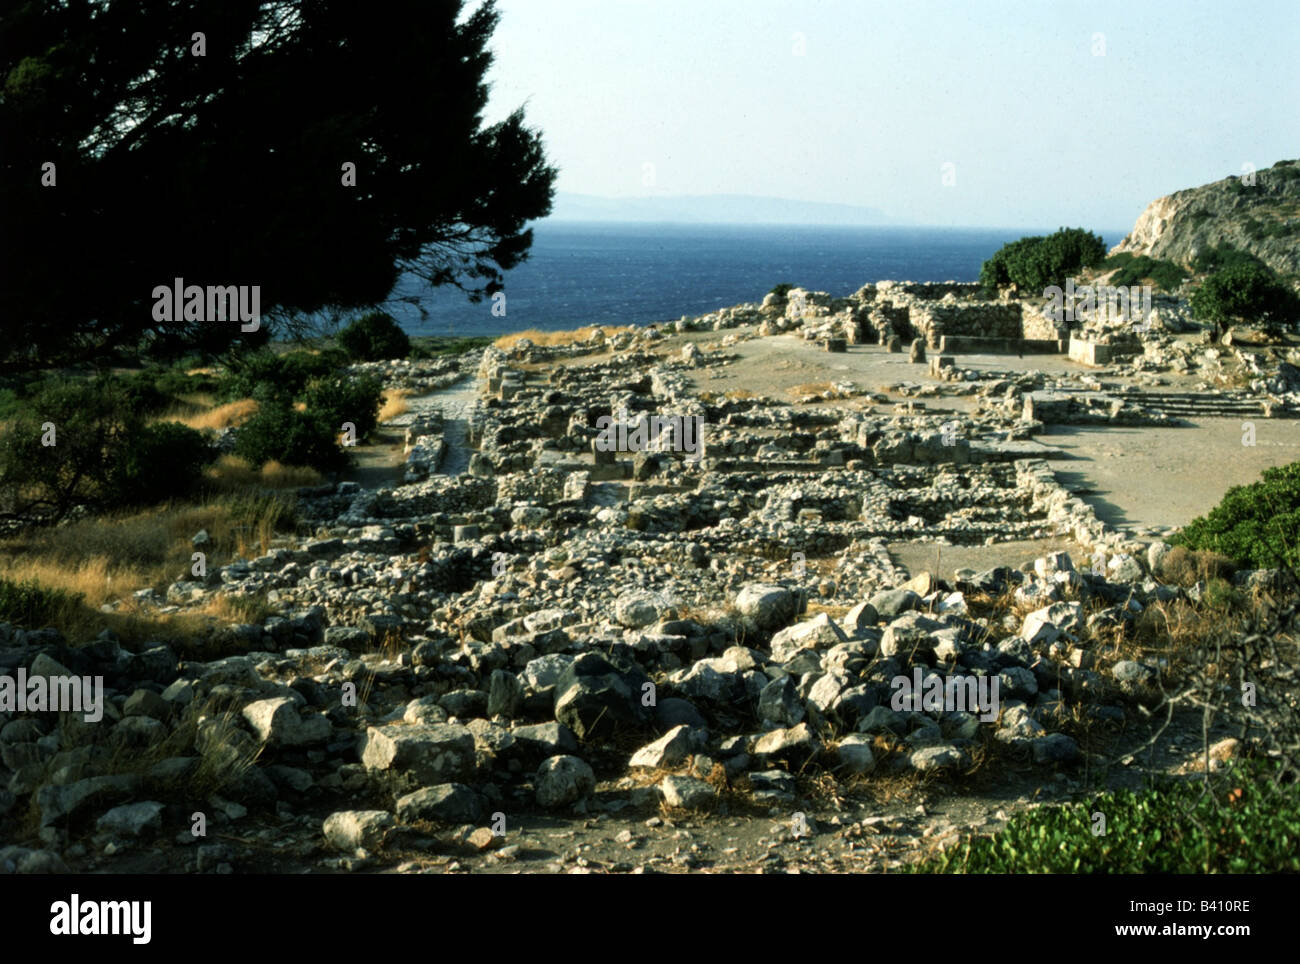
[
  {"x": 222, "y": 416},
  {"x": 557, "y": 339},
  {"x": 810, "y": 390},
  {"x": 232, "y": 474},
  {"x": 105, "y": 560},
  {"x": 394, "y": 404}
]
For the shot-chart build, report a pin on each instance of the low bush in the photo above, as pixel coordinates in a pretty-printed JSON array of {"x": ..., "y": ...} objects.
[
  {"x": 283, "y": 434},
  {"x": 1255, "y": 525},
  {"x": 1246, "y": 292},
  {"x": 1035, "y": 263},
  {"x": 159, "y": 462},
  {"x": 374, "y": 337},
  {"x": 1249, "y": 826},
  {"x": 1134, "y": 270},
  {"x": 85, "y": 443},
  {"x": 268, "y": 376},
  {"x": 30, "y": 604},
  {"x": 340, "y": 398}
]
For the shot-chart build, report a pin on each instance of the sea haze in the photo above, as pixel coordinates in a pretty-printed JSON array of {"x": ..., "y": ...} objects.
[{"x": 619, "y": 274}]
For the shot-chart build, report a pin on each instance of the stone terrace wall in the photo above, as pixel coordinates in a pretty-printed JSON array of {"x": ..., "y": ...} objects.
[{"x": 979, "y": 320}]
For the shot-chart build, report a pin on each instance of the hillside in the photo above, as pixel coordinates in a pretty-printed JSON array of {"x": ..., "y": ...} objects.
[{"x": 1263, "y": 218}]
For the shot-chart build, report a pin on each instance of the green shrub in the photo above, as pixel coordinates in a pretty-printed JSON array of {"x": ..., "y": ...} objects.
[
  {"x": 374, "y": 337},
  {"x": 272, "y": 378},
  {"x": 31, "y": 604},
  {"x": 340, "y": 398},
  {"x": 159, "y": 462},
  {"x": 103, "y": 454},
  {"x": 280, "y": 433},
  {"x": 1250, "y": 825},
  {"x": 1245, "y": 292},
  {"x": 1035, "y": 263},
  {"x": 89, "y": 423},
  {"x": 1223, "y": 256},
  {"x": 782, "y": 289},
  {"x": 1136, "y": 269},
  {"x": 1256, "y": 525}
]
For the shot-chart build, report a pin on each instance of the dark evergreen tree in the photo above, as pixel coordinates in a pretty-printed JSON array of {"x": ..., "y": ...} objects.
[{"x": 221, "y": 159}]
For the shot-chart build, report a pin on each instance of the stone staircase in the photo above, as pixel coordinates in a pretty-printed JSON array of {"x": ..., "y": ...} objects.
[{"x": 1204, "y": 405}]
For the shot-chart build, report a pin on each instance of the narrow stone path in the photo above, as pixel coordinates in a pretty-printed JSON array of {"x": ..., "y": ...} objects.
[{"x": 456, "y": 403}]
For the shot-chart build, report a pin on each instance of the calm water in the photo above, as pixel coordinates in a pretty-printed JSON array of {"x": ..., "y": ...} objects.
[{"x": 618, "y": 274}]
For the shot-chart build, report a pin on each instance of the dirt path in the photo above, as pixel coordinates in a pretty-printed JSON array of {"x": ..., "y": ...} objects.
[{"x": 381, "y": 462}]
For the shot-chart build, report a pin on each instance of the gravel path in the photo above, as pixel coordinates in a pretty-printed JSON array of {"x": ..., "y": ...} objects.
[{"x": 457, "y": 405}]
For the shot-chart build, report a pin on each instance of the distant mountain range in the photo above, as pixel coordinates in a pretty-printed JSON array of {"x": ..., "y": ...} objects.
[{"x": 711, "y": 209}]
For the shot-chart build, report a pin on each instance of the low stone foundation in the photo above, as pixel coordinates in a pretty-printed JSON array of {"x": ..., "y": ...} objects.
[{"x": 971, "y": 345}]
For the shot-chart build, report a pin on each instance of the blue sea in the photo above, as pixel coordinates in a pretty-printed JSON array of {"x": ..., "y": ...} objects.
[{"x": 620, "y": 274}]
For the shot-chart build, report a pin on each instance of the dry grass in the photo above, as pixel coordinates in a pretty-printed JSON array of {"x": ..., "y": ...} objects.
[
  {"x": 557, "y": 339},
  {"x": 834, "y": 610},
  {"x": 104, "y": 560},
  {"x": 1185, "y": 567},
  {"x": 232, "y": 474},
  {"x": 807, "y": 389},
  {"x": 740, "y": 395},
  {"x": 220, "y": 416},
  {"x": 394, "y": 404}
]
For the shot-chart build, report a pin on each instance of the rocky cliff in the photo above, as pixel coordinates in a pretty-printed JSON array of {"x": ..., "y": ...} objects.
[{"x": 1262, "y": 218}]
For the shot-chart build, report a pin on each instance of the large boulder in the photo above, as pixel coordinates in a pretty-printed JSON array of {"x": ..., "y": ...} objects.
[
  {"x": 765, "y": 606},
  {"x": 596, "y": 694},
  {"x": 816, "y": 633},
  {"x": 431, "y": 753},
  {"x": 278, "y": 723}
]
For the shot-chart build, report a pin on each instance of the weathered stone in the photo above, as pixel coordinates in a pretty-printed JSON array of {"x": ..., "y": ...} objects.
[
  {"x": 562, "y": 780},
  {"x": 132, "y": 819},
  {"x": 278, "y": 723},
  {"x": 447, "y": 802},
  {"x": 669, "y": 750},
  {"x": 431, "y": 754},
  {"x": 687, "y": 793},
  {"x": 354, "y": 829},
  {"x": 766, "y": 606}
]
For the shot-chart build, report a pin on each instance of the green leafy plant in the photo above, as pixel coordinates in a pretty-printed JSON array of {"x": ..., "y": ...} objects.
[
  {"x": 273, "y": 377},
  {"x": 1246, "y": 292},
  {"x": 158, "y": 462},
  {"x": 374, "y": 337},
  {"x": 341, "y": 398},
  {"x": 79, "y": 442},
  {"x": 1136, "y": 269},
  {"x": 1256, "y": 524},
  {"x": 1249, "y": 825},
  {"x": 1035, "y": 263},
  {"x": 280, "y": 433}
]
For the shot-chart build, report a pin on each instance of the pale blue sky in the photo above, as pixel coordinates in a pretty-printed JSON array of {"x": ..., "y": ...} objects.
[{"x": 715, "y": 96}]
